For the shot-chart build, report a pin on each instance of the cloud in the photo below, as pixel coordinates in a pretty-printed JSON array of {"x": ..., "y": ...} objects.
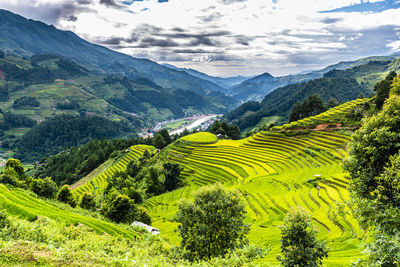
[
  {"x": 228, "y": 37},
  {"x": 110, "y": 3}
]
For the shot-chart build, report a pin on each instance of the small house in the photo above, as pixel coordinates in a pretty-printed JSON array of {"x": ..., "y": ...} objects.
[
  {"x": 220, "y": 136},
  {"x": 148, "y": 228}
]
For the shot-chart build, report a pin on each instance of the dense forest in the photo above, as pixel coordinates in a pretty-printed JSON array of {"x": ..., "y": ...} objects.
[{"x": 55, "y": 134}]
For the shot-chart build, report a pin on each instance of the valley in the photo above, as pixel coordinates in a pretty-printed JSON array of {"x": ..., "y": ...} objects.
[{"x": 116, "y": 150}]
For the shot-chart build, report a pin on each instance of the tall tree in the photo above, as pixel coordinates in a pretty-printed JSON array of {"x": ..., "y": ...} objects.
[
  {"x": 311, "y": 106},
  {"x": 213, "y": 224},
  {"x": 382, "y": 89},
  {"x": 300, "y": 246}
]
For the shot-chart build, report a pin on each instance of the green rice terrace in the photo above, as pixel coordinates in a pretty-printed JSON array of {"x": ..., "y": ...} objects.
[
  {"x": 100, "y": 181},
  {"x": 275, "y": 171},
  {"x": 28, "y": 207},
  {"x": 331, "y": 118}
]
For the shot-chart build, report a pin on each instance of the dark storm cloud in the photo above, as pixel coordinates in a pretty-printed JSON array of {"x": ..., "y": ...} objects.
[{"x": 71, "y": 18}]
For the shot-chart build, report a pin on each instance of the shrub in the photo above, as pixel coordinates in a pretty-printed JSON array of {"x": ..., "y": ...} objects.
[
  {"x": 65, "y": 195},
  {"x": 121, "y": 209},
  {"x": 87, "y": 201},
  {"x": 45, "y": 188},
  {"x": 16, "y": 165},
  {"x": 143, "y": 216}
]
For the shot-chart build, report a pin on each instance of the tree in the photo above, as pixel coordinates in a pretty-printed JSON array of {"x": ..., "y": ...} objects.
[
  {"x": 2, "y": 54},
  {"x": 143, "y": 216},
  {"x": 172, "y": 172},
  {"x": 159, "y": 141},
  {"x": 167, "y": 138},
  {"x": 121, "y": 209},
  {"x": 382, "y": 89},
  {"x": 14, "y": 165},
  {"x": 311, "y": 106},
  {"x": 65, "y": 195},
  {"x": 44, "y": 187},
  {"x": 372, "y": 146},
  {"x": 213, "y": 224},
  {"x": 375, "y": 181},
  {"x": 300, "y": 246},
  {"x": 87, "y": 201}
]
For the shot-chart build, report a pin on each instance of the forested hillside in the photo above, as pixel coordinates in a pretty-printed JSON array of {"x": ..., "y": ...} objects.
[
  {"x": 338, "y": 85},
  {"x": 42, "y": 87}
]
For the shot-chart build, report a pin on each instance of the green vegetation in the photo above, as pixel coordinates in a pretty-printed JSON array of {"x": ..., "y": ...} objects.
[
  {"x": 382, "y": 89},
  {"x": 373, "y": 167},
  {"x": 347, "y": 115},
  {"x": 227, "y": 130},
  {"x": 311, "y": 106},
  {"x": 341, "y": 85},
  {"x": 299, "y": 244},
  {"x": 134, "y": 153},
  {"x": 213, "y": 225},
  {"x": 71, "y": 165},
  {"x": 64, "y": 131}
]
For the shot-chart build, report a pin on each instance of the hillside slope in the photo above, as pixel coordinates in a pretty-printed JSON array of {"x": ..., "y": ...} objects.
[
  {"x": 27, "y": 37},
  {"x": 256, "y": 88},
  {"x": 341, "y": 85},
  {"x": 275, "y": 172}
]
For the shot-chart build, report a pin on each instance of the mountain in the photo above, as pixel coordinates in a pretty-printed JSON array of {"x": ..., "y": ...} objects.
[
  {"x": 256, "y": 88},
  {"x": 35, "y": 92},
  {"x": 26, "y": 37},
  {"x": 341, "y": 85},
  {"x": 225, "y": 83}
]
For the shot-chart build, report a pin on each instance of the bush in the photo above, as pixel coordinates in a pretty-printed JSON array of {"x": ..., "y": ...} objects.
[
  {"x": 16, "y": 165},
  {"x": 143, "y": 216},
  {"x": 65, "y": 195},
  {"x": 87, "y": 201},
  {"x": 121, "y": 209},
  {"x": 4, "y": 221},
  {"x": 45, "y": 188}
]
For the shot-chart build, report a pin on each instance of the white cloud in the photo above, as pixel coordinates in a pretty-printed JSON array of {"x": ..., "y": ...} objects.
[
  {"x": 239, "y": 37},
  {"x": 394, "y": 46}
]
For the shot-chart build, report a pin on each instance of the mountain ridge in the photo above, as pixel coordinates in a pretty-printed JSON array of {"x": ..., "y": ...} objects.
[{"x": 26, "y": 37}]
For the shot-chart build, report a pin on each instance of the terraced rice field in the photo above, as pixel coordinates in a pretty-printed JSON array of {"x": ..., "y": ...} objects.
[
  {"x": 330, "y": 116},
  {"x": 25, "y": 206},
  {"x": 275, "y": 173},
  {"x": 100, "y": 182}
]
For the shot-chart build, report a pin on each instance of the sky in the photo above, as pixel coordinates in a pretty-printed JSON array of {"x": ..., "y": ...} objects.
[{"x": 229, "y": 37}]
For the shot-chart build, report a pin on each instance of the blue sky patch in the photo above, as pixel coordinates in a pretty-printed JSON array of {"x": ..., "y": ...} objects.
[
  {"x": 130, "y": 2},
  {"x": 365, "y": 6}
]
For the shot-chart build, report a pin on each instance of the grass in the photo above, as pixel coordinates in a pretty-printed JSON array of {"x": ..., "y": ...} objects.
[
  {"x": 29, "y": 207},
  {"x": 201, "y": 138}
]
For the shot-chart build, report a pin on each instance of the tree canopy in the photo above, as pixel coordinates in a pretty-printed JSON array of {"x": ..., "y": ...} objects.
[
  {"x": 213, "y": 224},
  {"x": 300, "y": 246}
]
